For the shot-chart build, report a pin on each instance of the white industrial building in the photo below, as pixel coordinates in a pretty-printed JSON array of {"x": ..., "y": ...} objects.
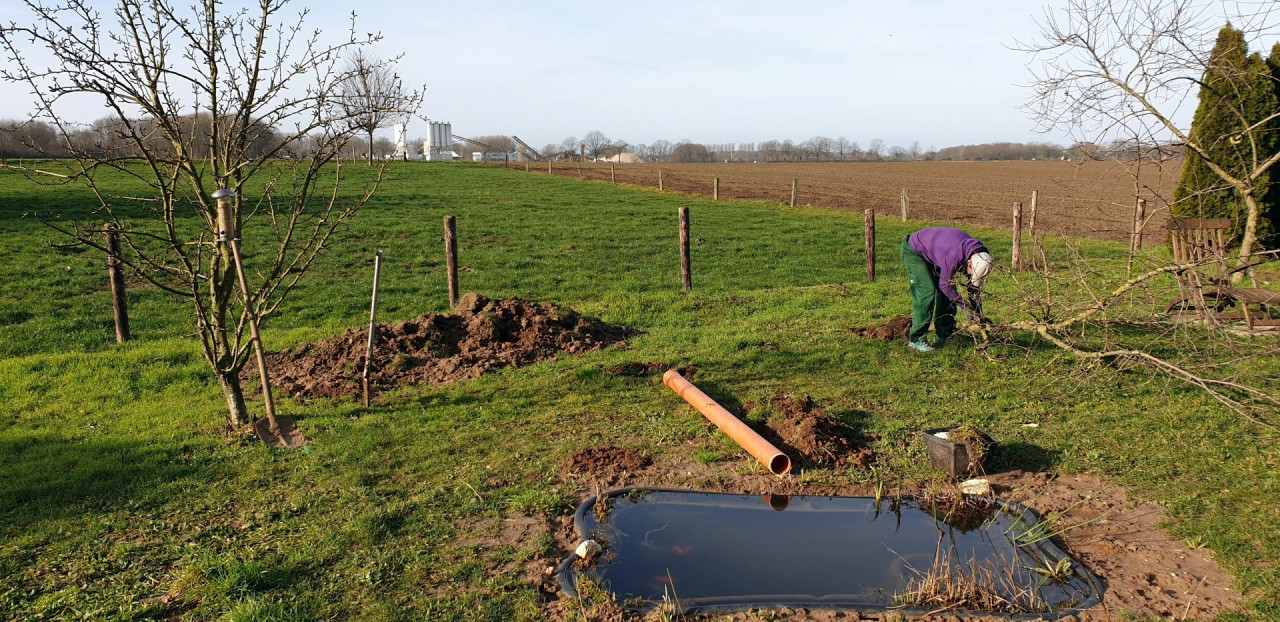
[{"x": 439, "y": 141}]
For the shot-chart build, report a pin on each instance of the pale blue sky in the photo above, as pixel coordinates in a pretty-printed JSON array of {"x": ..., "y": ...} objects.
[{"x": 936, "y": 72}]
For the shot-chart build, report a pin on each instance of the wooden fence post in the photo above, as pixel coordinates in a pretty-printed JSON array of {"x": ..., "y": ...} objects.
[
  {"x": 659, "y": 180},
  {"x": 549, "y": 167},
  {"x": 1017, "y": 236},
  {"x": 686, "y": 275},
  {"x": 526, "y": 166},
  {"x": 795, "y": 190},
  {"x": 613, "y": 174},
  {"x": 1139, "y": 222},
  {"x": 451, "y": 258},
  {"x": 582, "y": 155},
  {"x": 905, "y": 201},
  {"x": 373, "y": 326},
  {"x": 715, "y": 190},
  {"x": 119, "y": 302},
  {"x": 869, "y": 232}
]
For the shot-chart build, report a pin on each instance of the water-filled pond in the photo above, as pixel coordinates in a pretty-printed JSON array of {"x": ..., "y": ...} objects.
[{"x": 715, "y": 551}]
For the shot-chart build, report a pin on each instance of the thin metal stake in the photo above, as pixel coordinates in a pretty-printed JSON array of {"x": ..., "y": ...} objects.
[{"x": 373, "y": 326}]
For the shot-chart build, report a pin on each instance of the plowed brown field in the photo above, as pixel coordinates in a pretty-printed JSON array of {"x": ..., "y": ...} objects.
[{"x": 1093, "y": 199}]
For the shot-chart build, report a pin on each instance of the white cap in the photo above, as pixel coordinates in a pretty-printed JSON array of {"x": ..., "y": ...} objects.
[{"x": 980, "y": 266}]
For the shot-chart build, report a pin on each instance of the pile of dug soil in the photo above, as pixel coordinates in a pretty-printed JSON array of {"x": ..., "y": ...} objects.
[
  {"x": 605, "y": 463},
  {"x": 480, "y": 335},
  {"x": 644, "y": 370},
  {"x": 896, "y": 328},
  {"x": 821, "y": 438}
]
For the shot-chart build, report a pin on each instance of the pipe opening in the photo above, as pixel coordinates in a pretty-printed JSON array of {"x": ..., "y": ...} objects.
[{"x": 780, "y": 465}]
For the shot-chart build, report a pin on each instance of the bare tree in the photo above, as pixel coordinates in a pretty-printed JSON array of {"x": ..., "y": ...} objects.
[
  {"x": 844, "y": 146},
  {"x": 250, "y": 73},
  {"x": 875, "y": 149},
  {"x": 819, "y": 147},
  {"x": 596, "y": 143},
  {"x": 372, "y": 96},
  {"x": 660, "y": 149},
  {"x": 1124, "y": 68}
]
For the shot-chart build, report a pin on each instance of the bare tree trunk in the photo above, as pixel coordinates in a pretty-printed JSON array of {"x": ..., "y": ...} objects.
[
  {"x": 237, "y": 412},
  {"x": 1250, "y": 238}
]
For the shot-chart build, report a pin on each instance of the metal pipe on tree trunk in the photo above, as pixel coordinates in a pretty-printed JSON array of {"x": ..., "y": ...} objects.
[
  {"x": 225, "y": 198},
  {"x": 373, "y": 326},
  {"x": 777, "y": 462}
]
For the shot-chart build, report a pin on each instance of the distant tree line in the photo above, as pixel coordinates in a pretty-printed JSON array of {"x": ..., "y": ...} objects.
[
  {"x": 823, "y": 149},
  {"x": 109, "y": 139},
  {"x": 37, "y": 139}
]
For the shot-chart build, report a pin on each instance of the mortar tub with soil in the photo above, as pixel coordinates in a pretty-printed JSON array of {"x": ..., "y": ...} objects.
[
  {"x": 722, "y": 553},
  {"x": 953, "y": 457}
]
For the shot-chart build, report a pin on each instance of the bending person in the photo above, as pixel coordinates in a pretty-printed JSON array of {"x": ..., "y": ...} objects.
[{"x": 933, "y": 258}]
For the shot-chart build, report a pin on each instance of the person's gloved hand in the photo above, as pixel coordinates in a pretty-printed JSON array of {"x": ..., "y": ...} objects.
[{"x": 975, "y": 317}]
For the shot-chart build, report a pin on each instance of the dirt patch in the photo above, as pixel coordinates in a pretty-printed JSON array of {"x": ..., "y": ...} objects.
[
  {"x": 820, "y": 438},
  {"x": 604, "y": 464},
  {"x": 479, "y": 336},
  {"x": 644, "y": 370},
  {"x": 1147, "y": 573},
  {"x": 896, "y": 328},
  {"x": 528, "y": 535}
]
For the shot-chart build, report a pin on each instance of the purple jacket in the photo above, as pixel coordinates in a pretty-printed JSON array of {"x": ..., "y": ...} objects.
[{"x": 948, "y": 250}]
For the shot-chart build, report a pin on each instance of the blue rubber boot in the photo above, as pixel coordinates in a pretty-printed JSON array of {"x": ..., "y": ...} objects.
[{"x": 920, "y": 346}]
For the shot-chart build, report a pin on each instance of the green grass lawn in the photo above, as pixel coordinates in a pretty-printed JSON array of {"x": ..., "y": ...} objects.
[{"x": 119, "y": 486}]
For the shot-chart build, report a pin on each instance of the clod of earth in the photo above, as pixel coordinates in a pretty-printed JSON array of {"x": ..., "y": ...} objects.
[
  {"x": 605, "y": 463},
  {"x": 644, "y": 370},
  {"x": 895, "y": 328},
  {"x": 479, "y": 336},
  {"x": 821, "y": 438}
]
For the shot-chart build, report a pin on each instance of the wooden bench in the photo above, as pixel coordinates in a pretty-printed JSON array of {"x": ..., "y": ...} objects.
[{"x": 1208, "y": 289}]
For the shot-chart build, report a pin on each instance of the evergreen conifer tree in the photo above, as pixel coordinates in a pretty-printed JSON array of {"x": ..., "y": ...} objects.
[{"x": 1237, "y": 92}]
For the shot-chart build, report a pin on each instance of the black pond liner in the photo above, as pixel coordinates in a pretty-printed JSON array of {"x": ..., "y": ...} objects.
[{"x": 725, "y": 553}]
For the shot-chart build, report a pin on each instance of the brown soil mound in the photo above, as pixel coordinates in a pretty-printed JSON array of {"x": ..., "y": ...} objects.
[
  {"x": 821, "y": 438},
  {"x": 605, "y": 463},
  {"x": 480, "y": 335},
  {"x": 643, "y": 370},
  {"x": 896, "y": 328}
]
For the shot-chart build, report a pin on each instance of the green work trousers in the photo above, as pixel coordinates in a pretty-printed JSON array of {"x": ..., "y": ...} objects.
[{"x": 928, "y": 303}]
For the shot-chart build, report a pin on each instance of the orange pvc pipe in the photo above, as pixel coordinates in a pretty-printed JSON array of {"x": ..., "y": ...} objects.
[{"x": 745, "y": 437}]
